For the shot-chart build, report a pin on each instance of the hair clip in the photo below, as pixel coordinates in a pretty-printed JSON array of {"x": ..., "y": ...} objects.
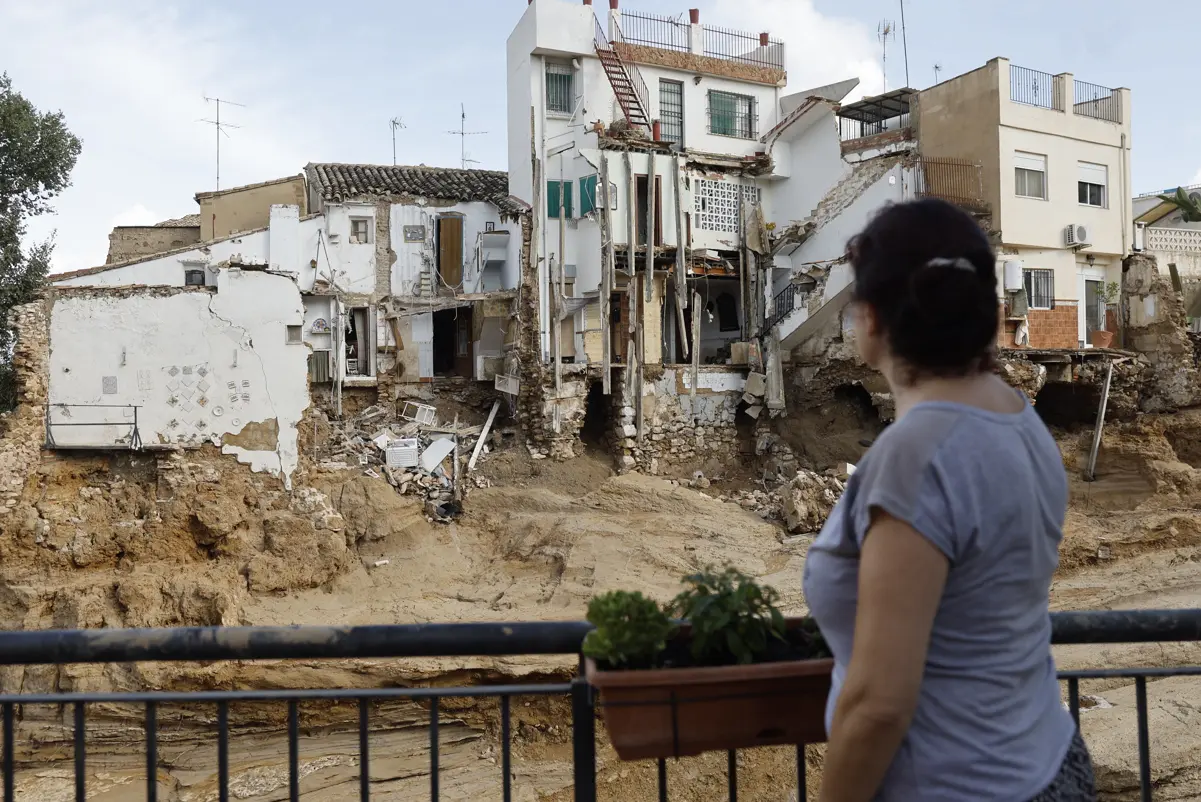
[{"x": 960, "y": 262}]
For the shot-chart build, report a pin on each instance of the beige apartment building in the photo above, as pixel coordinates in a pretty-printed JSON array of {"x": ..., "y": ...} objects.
[{"x": 1054, "y": 154}]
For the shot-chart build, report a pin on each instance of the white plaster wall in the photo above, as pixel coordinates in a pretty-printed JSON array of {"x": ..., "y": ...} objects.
[
  {"x": 187, "y": 346},
  {"x": 830, "y": 241},
  {"x": 1188, "y": 263},
  {"x": 520, "y": 96},
  {"x": 354, "y": 262},
  {"x": 319, "y": 307},
  {"x": 168, "y": 271},
  {"x": 696, "y": 109},
  {"x": 816, "y": 166},
  {"x": 412, "y": 258}
]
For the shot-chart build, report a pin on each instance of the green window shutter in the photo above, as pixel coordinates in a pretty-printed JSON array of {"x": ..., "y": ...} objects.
[
  {"x": 552, "y": 199},
  {"x": 588, "y": 198},
  {"x": 567, "y": 193}
]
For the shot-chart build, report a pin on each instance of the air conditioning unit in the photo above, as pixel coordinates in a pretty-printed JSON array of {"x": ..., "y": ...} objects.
[{"x": 1077, "y": 236}]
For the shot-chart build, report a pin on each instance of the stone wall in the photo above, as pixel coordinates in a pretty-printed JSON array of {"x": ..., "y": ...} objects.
[
  {"x": 706, "y": 65},
  {"x": 682, "y": 432},
  {"x": 22, "y": 432},
  {"x": 1155, "y": 326},
  {"x": 132, "y": 242}
]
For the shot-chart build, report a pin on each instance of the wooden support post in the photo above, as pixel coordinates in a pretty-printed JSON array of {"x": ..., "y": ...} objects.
[
  {"x": 631, "y": 215},
  {"x": 681, "y": 257},
  {"x": 479, "y": 444},
  {"x": 648, "y": 283},
  {"x": 606, "y": 283},
  {"x": 696, "y": 341},
  {"x": 640, "y": 338}
]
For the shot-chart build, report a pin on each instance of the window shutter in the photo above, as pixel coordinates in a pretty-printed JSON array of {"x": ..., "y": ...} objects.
[
  {"x": 552, "y": 199},
  {"x": 588, "y": 190},
  {"x": 1093, "y": 173},
  {"x": 567, "y": 199},
  {"x": 1030, "y": 161}
]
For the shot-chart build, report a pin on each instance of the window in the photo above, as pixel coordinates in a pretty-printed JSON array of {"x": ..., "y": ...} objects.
[
  {"x": 552, "y": 199},
  {"x": 1092, "y": 180},
  {"x": 588, "y": 199},
  {"x": 671, "y": 111},
  {"x": 1040, "y": 288},
  {"x": 295, "y": 334},
  {"x": 559, "y": 95},
  {"x": 731, "y": 115},
  {"x": 727, "y": 313},
  {"x": 360, "y": 230},
  {"x": 193, "y": 278},
  {"x": 1031, "y": 175}
]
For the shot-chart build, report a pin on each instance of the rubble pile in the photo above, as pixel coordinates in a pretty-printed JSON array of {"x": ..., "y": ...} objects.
[
  {"x": 414, "y": 453},
  {"x": 809, "y": 499}
]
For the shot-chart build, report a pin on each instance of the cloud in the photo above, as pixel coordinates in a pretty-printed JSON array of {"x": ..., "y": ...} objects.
[
  {"x": 820, "y": 49},
  {"x": 131, "y": 79},
  {"x": 136, "y": 215}
]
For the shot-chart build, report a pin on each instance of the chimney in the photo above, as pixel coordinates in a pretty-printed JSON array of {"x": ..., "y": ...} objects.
[
  {"x": 587, "y": 2},
  {"x": 764, "y": 40},
  {"x": 694, "y": 16},
  {"x": 613, "y": 4},
  {"x": 656, "y": 130}
]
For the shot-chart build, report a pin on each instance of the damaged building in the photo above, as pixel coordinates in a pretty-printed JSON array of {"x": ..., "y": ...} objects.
[{"x": 400, "y": 279}]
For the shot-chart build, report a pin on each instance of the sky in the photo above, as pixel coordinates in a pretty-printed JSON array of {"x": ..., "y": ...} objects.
[{"x": 320, "y": 81}]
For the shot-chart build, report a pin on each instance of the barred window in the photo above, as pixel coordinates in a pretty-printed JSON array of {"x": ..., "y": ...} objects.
[
  {"x": 671, "y": 111},
  {"x": 1040, "y": 288},
  {"x": 731, "y": 115},
  {"x": 559, "y": 91}
]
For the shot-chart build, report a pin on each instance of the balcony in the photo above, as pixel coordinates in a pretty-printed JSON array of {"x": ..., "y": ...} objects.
[
  {"x": 291, "y": 741},
  {"x": 675, "y": 43},
  {"x": 1044, "y": 90},
  {"x": 880, "y": 123},
  {"x": 955, "y": 180},
  {"x": 1173, "y": 240}
]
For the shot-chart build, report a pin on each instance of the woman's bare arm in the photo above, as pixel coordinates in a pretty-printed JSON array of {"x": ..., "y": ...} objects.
[{"x": 901, "y": 579}]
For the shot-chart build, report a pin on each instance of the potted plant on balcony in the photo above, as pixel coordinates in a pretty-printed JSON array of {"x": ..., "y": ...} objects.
[
  {"x": 1102, "y": 337},
  {"x": 734, "y": 674}
]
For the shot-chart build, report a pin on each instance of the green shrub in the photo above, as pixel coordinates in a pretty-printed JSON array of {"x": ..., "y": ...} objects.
[
  {"x": 733, "y": 618},
  {"x": 631, "y": 630}
]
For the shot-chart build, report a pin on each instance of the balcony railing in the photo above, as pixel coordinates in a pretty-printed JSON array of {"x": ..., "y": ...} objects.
[
  {"x": 651, "y": 30},
  {"x": 1100, "y": 102},
  {"x": 787, "y": 301},
  {"x": 58, "y": 647},
  {"x": 93, "y": 426},
  {"x": 747, "y": 48},
  {"x": 1035, "y": 88},
  {"x": 956, "y": 180},
  {"x": 849, "y": 129}
]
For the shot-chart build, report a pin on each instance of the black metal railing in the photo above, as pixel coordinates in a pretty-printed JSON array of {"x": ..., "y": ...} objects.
[
  {"x": 956, "y": 180},
  {"x": 732, "y": 115},
  {"x": 125, "y": 433},
  {"x": 784, "y": 304},
  {"x": 849, "y": 129},
  {"x": 1035, "y": 88},
  {"x": 652, "y": 30},
  {"x": 58, "y": 647},
  {"x": 1100, "y": 102},
  {"x": 747, "y": 48}
]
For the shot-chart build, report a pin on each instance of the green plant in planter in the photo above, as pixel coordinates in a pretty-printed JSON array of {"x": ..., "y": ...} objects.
[
  {"x": 631, "y": 630},
  {"x": 733, "y": 618}
]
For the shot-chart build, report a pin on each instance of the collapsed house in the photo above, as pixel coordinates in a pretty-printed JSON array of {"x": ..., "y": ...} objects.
[{"x": 400, "y": 279}]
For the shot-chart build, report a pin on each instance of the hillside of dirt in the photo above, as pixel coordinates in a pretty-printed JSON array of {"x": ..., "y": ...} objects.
[{"x": 193, "y": 538}]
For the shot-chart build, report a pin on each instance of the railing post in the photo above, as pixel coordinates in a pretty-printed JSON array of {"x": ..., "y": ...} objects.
[{"x": 583, "y": 738}]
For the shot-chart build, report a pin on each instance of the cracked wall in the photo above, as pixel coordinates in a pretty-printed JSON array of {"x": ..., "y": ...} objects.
[{"x": 199, "y": 367}]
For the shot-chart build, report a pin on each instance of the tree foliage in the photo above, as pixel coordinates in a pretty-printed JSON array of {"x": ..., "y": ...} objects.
[
  {"x": 1190, "y": 209},
  {"x": 37, "y": 155}
]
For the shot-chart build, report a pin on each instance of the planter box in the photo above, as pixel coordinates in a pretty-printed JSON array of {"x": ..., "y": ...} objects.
[
  {"x": 675, "y": 712},
  {"x": 1101, "y": 338}
]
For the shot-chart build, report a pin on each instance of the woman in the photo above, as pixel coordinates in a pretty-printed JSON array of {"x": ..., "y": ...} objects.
[{"x": 930, "y": 580}]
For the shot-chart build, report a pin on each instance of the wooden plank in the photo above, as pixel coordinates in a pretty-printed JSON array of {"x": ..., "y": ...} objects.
[
  {"x": 606, "y": 284},
  {"x": 651, "y": 196},
  {"x": 1091, "y": 474},
  {"x": 479, "y": 444},
  {"x": 696, "y": 341},
  {"x": 681, "y": 257}
]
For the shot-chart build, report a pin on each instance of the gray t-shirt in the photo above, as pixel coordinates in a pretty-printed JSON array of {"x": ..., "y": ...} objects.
[{"x": 989, "y": 490}]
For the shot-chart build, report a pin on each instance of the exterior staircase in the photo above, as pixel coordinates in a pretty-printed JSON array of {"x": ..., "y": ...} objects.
[{"x": 626, "y": 81}]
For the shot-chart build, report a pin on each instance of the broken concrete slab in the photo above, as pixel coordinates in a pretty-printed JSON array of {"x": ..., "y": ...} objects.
[
  {"x": 756, "y": 384},
  {"x": 435, "y": 452}
]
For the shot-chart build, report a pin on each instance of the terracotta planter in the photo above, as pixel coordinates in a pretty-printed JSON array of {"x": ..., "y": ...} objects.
[
  {"x": 1101, "y": 338},
  {"x": 675, "y": 712}
]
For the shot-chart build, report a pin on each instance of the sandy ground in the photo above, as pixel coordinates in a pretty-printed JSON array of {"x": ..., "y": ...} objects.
[{"x": 536, "y": 546}]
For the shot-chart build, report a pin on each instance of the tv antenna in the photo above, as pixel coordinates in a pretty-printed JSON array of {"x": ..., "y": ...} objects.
[
  {"x": 937, "y": 70},
  {"x": 884, "y": 32},
  {"x": 220, "y": 128},
  {"x": 905, "y": 44},
  {"x": 462, "y": 134},
  {"x": 394, "y": 124}
]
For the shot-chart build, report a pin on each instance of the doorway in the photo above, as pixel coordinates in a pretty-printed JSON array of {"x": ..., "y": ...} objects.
[
  {"x": 453, "y": 350},
  {"x": 1091, "y": 306},
  {"x": 598, "y": 418},
  {"x": 640, "y": 210},
  {"x": 450, "y": 250},
  {"x": 360, "y": 355}
]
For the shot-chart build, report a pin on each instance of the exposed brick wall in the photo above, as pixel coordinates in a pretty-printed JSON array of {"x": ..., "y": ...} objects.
[
  {"x": 1055, "y": 328},
  {"x": 130, "y": 242}
]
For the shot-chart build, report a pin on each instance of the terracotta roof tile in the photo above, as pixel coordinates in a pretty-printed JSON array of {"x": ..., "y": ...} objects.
[{"x": 340, "y": 182}]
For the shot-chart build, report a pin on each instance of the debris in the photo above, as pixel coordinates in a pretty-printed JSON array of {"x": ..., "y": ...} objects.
[
  {"x": 402, "y": 453},
  {"x": 435, "y": 452},
  {"x": 380, "y": 563},
  {"x": 754, "y": 411},
  {"x": 756, "y": 384},
  {"x": 808, "y": 500},
  {"x": 479, "y": 444},
  {"x": 420, "y": 413},
  {"x": 371, "y": 473}
]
